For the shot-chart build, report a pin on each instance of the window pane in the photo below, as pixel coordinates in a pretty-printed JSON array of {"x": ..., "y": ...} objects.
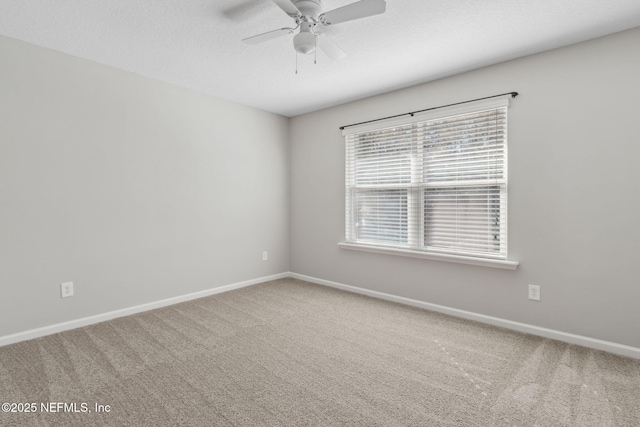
[
  {"x": 463, "y": 148},
  {"x": 463, "y": 219},
  {"x": 381, "y": 216},
  {"x": 383, "y": 157}
]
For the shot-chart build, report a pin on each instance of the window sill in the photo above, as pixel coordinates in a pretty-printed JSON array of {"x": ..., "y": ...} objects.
[{"x": 483, "y": 262}]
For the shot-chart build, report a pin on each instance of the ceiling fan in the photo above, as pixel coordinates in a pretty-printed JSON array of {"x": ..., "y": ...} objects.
[{"x": 311, "y": 22}]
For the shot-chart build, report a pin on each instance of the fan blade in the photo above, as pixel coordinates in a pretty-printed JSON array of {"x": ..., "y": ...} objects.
[
  {"x": 288, "y": 7},
  {"x": 330, "y": 48},
  {"x": 357, "y": 10},
  {"x": 267, "y": 36}
]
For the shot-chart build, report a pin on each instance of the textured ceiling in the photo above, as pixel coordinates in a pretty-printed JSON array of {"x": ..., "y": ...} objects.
[{"x": 197, "y": 43}]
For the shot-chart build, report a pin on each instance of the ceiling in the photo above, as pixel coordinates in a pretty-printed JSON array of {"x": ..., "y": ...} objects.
[{"x": 197, "y": 43}]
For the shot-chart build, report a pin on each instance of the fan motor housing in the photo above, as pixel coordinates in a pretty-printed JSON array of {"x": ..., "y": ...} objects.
[{"x": 309, "y": 8}]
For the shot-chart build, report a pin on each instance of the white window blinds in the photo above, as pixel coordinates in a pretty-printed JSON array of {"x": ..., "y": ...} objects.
[{"x": 435, "y": 182}]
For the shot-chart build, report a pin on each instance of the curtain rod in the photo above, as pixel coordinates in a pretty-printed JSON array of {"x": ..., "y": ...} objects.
[{"x": 513, "y": 95}]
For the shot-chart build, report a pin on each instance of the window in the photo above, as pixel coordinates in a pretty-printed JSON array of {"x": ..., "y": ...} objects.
[{"x": 433, "y": 184}]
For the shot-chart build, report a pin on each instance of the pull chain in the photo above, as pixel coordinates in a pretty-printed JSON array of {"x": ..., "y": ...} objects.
[
  {"x": 315, "y": 49},
  {"x": 296, "y": 62}
]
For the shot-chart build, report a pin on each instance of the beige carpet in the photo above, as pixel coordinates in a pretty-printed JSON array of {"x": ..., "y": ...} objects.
[{"x": 289, "y": 353}]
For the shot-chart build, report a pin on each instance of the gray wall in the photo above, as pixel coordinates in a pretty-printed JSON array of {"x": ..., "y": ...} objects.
[
  {"x": 133, "y": 189},
  {"x": 574, "y": 194},
  {"x": 123, "y": 185}
]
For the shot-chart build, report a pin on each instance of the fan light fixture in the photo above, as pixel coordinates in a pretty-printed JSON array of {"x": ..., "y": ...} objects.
[{"x": 304, "y": 42}]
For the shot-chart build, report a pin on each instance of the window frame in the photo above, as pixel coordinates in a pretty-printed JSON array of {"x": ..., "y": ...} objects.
[{"x": 415, "y": 246}]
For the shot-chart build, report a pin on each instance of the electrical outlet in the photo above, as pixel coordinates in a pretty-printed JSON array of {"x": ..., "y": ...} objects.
[
  {"x": 265, "y": 256},
  {"x": 534, "y": 292},
  {"x": 66, "y": 289}
]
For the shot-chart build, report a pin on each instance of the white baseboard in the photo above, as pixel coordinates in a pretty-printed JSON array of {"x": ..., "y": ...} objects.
[
  {"x": 85, "y": 321},
  {"x": 594, "y": 343}
]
